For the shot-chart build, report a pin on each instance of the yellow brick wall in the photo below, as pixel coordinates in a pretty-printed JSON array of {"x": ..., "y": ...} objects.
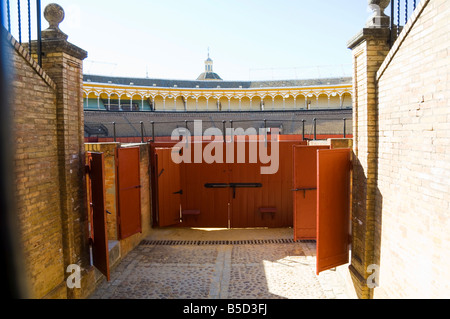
[
  {"x": 37, "y": 178},
  {"x": 413, "y": 200},
  {"x": 370, "y": 48}
]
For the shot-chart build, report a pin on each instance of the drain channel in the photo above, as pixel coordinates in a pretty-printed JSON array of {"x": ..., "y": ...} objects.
[{"x": 220, "y": 242}]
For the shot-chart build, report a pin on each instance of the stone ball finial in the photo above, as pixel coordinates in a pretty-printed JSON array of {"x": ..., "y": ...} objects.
[{"x": 54, "y": 14}]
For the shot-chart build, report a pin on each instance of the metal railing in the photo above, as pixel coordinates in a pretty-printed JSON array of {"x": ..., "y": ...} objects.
[
  {"x": 314, "y": 129},
  {"x": 401, "y": 11},
  {"x": 19, "y": 19}
]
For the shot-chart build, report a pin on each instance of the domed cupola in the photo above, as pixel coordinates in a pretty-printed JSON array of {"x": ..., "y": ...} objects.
[{"x": 209, "y": 74}]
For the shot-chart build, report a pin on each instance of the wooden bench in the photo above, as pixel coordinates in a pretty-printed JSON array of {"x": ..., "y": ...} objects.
[{"x": 268, "y": 210}]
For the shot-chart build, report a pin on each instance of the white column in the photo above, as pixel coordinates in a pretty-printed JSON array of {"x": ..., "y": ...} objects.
[
  {"x": 196, "y": 103},
  {"x": 273, "y": 102},
  {"x": 164, "y": 103},
  {"x": 229, "y": 104},
  {"x": 109, "y": 102},
  {"x": 120, "y": 108},
  {"x": 98, "y": 102}
]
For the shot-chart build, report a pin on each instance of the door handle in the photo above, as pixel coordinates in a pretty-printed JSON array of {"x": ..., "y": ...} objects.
[
  {"x": 179, "y": 192},
  {"x": 131, "y": 187},
  {"x": 304, "y": 190},
  {"x": 216, "y": 185}
]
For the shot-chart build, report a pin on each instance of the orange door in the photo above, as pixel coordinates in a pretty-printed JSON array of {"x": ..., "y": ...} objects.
[
  {"x": 305, "y": 191},
  {"x": 333, "y": 208},
  {"x": 205, "y": 191},
  {"x": 129, "y": 191},
  {"x": 97, "y": 212},
  {"x": 169, "y": 189}
]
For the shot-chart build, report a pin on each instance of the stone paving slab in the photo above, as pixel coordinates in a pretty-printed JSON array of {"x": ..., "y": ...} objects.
[{"x": 262, "y": 271}]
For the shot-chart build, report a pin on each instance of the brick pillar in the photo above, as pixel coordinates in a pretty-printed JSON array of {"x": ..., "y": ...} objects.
[
  {"x": 63, "y": 62},
  {"x": 369, "y": 48}
]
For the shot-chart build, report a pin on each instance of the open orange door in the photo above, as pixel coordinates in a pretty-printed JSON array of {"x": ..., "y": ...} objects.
[
  {"x": 305, "y": 191},
  {"x": 169, "y": 188},
  {"x": 97, "y": 212},
  {"x": 333, "y": 208},
  {"x": 129, "y": 191}
]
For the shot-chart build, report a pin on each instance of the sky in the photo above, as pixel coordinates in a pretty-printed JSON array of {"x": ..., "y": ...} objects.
[{"x": 247, "y": 39}]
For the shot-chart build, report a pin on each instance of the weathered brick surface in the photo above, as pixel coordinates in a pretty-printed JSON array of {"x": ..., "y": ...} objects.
[
  {"x": 49, "y": 134},
  {"x": 370, "y": 48},
  {"x": 413, "y": 200},
  {"x": 36, "y": 171},
  {"x": 63, "y": 62}
]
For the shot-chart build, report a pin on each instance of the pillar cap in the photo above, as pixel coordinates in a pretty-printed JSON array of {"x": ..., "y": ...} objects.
[
  {"x": 54, "y": 14},
  {"x": 367, "y": 33},
  {"x": 53, "y": 39}
]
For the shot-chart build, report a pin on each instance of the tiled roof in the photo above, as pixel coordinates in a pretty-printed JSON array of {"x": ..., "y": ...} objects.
[
  {"x": 209, "y": 76},
  {"x": 212, "y": 84}
]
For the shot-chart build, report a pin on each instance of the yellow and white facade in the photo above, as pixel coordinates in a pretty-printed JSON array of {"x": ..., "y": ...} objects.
[{"x": 211, "y": 95}]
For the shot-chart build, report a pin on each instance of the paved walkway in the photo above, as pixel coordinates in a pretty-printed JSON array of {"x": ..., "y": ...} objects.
[{"x": 233, "y": 269}]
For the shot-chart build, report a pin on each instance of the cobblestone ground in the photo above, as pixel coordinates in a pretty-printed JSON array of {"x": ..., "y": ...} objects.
[{"x": 244, "y": 271}]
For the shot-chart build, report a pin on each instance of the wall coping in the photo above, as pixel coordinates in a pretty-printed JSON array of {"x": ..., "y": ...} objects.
[
  {"x": 401, "y": 38},
  {"x": 26, "y": 56}
]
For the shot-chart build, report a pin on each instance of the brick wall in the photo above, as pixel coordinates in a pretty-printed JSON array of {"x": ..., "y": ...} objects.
[
  {"x": 49, "y": 164},
  {"x": 370, "y": 47},
  {"x": 36, "y": 171},
  {"x": 63, "y": 62},
  {"x": 401, "y": 194},
  {"x": 412, "y": 206}
]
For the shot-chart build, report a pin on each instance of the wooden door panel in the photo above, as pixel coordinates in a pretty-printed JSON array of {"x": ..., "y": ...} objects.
[
  {"x": 305, "y": 191},
  {"x": 128, "y": 191},
  {"x": 333, "y": 208},
  {"x": 169, "y": 188},
  {"x": 99, "y": 233}
]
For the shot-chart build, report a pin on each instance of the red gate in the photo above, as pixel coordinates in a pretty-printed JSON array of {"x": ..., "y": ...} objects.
[
  {"x": 95, "y": 180},
  {"x": 333, "y": 208},
  {"x": 168, "y": 187},
  {"x": 305, "y": 191},
  {"x": 224, "y": 194},
  {"x": 128, "y": 191}
]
